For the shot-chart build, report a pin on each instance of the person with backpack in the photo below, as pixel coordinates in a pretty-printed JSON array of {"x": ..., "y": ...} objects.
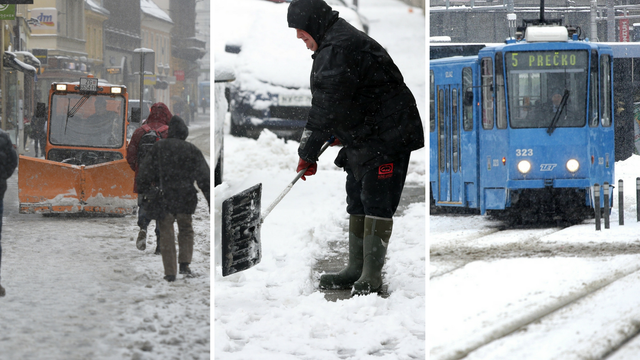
[
  {"x": 175, "y": 165},
  {"x": 8, "y": 164},
  {"x": 155, "y": 127}
]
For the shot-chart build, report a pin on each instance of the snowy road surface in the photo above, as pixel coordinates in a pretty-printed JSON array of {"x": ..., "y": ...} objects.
[
  {"x": 274, "y": 311},
  {"x": 77, "y": 288},
  {"x": 541, "y": 293}
]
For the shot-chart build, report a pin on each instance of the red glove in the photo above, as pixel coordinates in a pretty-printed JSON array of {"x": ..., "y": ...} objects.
[{"x": 311, "y": 170}]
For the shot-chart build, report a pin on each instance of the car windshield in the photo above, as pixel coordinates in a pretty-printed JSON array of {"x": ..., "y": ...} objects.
[
  {"x": 537, "y": 84},
  {"x": 98, "y": 122}
]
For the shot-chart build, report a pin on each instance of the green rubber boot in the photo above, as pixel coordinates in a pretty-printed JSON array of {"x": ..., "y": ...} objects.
[
  {"x": 347, "y": 276},
  {"x": 377, "y": 232}
]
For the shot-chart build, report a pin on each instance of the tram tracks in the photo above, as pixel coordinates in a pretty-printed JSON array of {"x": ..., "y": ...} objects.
[{"x": 496, "y": 341}]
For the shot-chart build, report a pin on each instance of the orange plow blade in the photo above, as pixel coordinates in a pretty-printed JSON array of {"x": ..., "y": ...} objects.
[{"x": 48, "y": 187}]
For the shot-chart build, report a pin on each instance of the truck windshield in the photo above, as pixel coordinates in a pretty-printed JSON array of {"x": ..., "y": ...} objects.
[
  {"x": 536, "y": 83},
  {"x": 98, "y": 122}
]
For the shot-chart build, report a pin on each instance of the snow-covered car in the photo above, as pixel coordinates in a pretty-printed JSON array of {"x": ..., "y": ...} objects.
[
  {"x": 272, "y": 69},
  {"x": 223, "y": 75}
]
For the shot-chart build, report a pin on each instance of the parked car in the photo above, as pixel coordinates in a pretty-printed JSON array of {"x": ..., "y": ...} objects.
[
  {"x": 223, "y": 75},
  {"x": 133, "y": 125},
  {"x": 272, "y": 67},
  {"x": 347, "y": 15}
]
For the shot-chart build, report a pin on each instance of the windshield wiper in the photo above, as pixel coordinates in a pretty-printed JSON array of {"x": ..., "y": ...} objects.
[
  {"x": 556, "y": 116},
  {"x": 77, "y": 106}
]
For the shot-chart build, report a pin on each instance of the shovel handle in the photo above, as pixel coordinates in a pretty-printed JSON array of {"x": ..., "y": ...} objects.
[{"x": 286, "y": 190}]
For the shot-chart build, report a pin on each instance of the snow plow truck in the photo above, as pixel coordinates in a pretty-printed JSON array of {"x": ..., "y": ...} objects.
[{"x": 84, "y": 169}]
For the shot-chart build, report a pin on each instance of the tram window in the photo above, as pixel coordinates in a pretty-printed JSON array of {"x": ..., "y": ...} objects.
[
  {"x": 501, "y": 106},
  {"x": 441, "y": 133},
  {"x": 593, "y": 90},
  {"x": 455, "y": 141},
  {"x": 605, "y": 88},
  {"x": 432, "y": 103},
  {"x": 487, "y": 93},
  {"x": 467, "y": 104}
]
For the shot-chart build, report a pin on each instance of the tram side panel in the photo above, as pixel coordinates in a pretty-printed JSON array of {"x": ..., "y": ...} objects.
[{"x": 453, "y": 137}]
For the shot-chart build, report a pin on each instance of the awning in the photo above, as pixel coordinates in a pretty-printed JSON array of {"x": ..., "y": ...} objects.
[{"x": 11, "y": 61}]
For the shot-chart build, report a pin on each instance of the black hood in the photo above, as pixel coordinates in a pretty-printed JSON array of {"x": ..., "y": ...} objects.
[
  {"x": 177, "y": 128},
  {"x": 312, "y": 16}
]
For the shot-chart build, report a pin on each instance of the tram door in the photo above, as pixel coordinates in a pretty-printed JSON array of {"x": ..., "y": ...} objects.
[{"x": 449, "y": 126}]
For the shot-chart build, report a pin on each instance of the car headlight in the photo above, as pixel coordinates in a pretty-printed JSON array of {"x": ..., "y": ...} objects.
[
  {"x": 573, "y": 165},
  {"x": 524, "y": 166}
]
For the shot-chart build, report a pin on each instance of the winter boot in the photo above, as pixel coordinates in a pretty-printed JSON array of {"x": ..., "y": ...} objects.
[
  {"x": 184, "y": 268},
  {"x": 141, "y": 243},
  {"x": 157, "y": 252},
  {"x": 347, "y": 276},
  {"x": 2, "y": 292},
  {"x": 170, "y": 278},
  {"x": 377, "y": 232}
]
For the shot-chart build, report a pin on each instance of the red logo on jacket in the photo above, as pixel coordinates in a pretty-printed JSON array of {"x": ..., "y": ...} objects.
[{"x": 385, "y": 171}]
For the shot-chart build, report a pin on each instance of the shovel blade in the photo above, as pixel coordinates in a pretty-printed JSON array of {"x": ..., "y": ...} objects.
[{"x": 241, "y": 248}]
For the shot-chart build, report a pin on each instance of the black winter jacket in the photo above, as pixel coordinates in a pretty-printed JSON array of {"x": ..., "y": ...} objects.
[
  {"x": 358, "y": 93},
  {"x": 8, "y": 161},
  {"x": 181, "y": 164}
]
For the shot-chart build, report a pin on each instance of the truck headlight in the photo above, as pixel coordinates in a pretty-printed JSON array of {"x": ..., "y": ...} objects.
[
  {"x": 573, "y": 165},
  {"x": 524, "y": 166}
]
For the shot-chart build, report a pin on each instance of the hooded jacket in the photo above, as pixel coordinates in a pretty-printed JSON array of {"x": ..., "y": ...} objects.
[
  {"x": 180, "y": 164},
  {"x": 159, "y": 115},
  {"x": 8, "y": 161},
  {"x": 358, "y": 93}
]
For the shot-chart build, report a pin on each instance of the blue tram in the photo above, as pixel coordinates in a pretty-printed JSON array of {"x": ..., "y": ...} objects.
[{"x": 524, "y": 126}]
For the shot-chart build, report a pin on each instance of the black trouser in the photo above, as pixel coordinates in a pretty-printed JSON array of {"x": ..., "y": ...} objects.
[
  {"x": 1, "y": 212},
  {"x": 378, "y": 192}
]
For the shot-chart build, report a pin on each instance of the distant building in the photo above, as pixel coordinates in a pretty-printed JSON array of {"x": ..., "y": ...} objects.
[
  {"x": 156, "y": 28},
  {"x": 59, "y": 40},
  {"x": 122, "y": 36},
  {"x": 95, "y": 17}
]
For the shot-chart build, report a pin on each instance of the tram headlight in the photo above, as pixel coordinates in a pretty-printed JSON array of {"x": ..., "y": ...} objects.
[
  {"x": 524, "y": 166},
  {"x": 573, "y": 165}
]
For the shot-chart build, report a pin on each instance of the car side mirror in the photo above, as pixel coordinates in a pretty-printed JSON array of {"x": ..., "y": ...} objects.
[
  {"x": 135, "y": 114},
  {"x": 233, "y": 48}
]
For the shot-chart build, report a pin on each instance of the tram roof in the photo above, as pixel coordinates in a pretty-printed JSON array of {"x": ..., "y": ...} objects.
[{"x": 624, "y": 49}]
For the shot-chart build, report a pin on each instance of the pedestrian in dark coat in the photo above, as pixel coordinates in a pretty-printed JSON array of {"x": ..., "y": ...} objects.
[
  {"x": 359, "y": 96},
  {"x": 38, "y": 130},
  {"x": 176, "y": 164},
  {"x": 8, "y": 163},
  {"x": 159, "y": 115}
]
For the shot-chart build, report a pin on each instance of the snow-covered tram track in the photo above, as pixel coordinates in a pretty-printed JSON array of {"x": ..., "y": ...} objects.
[
  {"x": 495, "y": 297},
  {"x": 577, "y": 333},
  {"x": 452, "y": 250}
]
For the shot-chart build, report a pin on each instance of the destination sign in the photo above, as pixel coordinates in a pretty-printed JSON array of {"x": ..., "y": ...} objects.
[{"x": 546, "y": 60}]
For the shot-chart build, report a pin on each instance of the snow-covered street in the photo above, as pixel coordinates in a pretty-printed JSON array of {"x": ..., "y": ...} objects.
[
  {"x": 274, "y": 311},
  {"x": 537, "y": 293},
  {"x": 77, "y": 288}
]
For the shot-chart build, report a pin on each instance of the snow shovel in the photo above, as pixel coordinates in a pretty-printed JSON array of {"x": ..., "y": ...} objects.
[{"x": 241, "y": 221}]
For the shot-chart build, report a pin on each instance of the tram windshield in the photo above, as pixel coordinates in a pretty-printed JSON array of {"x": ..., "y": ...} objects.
[
  {"x": 83, "y": 120},
  {"x": 546, "y": 84}
]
